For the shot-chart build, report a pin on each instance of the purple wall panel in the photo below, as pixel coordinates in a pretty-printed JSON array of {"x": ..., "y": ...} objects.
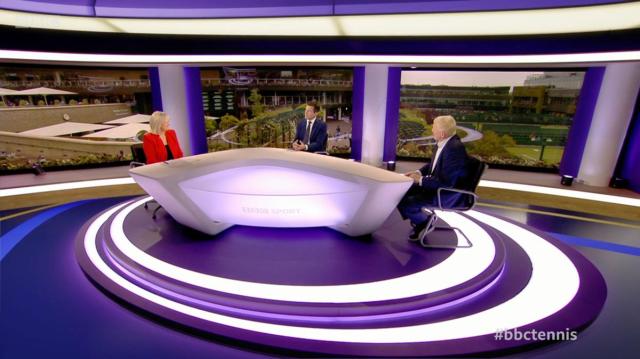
[
  {"x": 577, "y": 138},
  {"x": 629, "y": 162},
  {"x": 357, "y": 113},
  {"x": 156, "y": 92},
  {"x": 266, "y": 8},
  {"x": 392, "y": 117},
  {"x": 195, "y": 110},
  {"x": 211, "y": 9},
  {"x": 360, "y": 7},
  {"x": 62, "y": 7}
]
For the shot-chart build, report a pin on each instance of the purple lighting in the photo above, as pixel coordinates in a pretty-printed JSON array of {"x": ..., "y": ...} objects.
[
  {"x": 459, "y": 325},
  {"x": 269, "y": 8}
]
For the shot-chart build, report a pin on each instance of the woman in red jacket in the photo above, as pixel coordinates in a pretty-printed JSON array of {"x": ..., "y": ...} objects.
[{"x": 161, "y": 144}]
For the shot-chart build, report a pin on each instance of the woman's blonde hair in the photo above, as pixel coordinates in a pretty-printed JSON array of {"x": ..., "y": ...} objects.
[
  {"x": 446, "y": 124},
  {"x": 155, "y": 123}
]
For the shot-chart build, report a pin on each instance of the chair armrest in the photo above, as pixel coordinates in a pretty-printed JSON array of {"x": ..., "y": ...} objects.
[{"x": 455, "y": 190}]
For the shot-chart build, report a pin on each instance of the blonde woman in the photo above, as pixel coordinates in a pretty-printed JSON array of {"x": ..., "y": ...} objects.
[{"x": 161, "y": 144}]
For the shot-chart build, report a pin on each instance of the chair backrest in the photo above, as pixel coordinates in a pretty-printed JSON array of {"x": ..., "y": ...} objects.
[
  {"x": 463, "y": 197},
  {"x": 475, "y": 170},
  {"x": 137, "y": 153}
]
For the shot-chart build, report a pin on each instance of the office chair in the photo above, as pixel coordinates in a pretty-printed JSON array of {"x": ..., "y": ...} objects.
[
  {"x": 324, "y": 151},
  {"x": 466, "y": 200},
  {"x": 140, "y": 159}
]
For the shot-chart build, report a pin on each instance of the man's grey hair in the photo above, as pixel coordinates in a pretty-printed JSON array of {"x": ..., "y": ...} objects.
[
  {"x": 447, "y": 124},
  {"x": 157, "y": 118}
]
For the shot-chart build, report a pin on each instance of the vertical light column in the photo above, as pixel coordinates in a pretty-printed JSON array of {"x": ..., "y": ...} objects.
[
  {"x": 195, "y": 110},
  {"x": 374, "y": 113},
  {"x": 610, "y": 122},
  {"x": 357, "y": 103},
  {"x": 156, "y": 92},
  {"x": 392, "y": 120},
  {"x": 629, "y": 161},
  {"x": 181, "y": 99},
  {"x": 579, "y": 131}
]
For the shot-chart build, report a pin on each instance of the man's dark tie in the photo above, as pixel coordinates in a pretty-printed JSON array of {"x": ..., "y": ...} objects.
[{"x": 307, "y": 134}]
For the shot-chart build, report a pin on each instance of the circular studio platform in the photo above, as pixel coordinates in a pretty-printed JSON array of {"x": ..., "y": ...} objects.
[{"x": 318, "y": 290}]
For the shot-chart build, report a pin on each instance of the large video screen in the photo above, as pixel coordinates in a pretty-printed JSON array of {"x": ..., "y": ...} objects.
[
  {"x": 511, "y": 118},
  {"x": 261, "y": 106},
  {"x": 64, "y": 117}
]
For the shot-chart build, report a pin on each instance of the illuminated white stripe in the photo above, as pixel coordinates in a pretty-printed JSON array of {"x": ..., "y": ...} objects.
[
  {"x": 145, "y": 60},
  {"x": 553, "y": 283},
  {"x": 65, "y": 186},
  {"x": 609, "y": 17},
  {"x": 627, "y": 201},
  {"x": 559, "y": 192},
  {"x": 459, "y": 267}
]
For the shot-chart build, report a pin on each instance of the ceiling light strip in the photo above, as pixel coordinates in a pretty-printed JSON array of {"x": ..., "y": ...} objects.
[
  {"x": 576, "y": 58},
  {"x": 561, "y": 20}
]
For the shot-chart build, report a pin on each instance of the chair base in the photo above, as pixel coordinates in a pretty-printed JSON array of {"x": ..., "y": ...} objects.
[
  {"x": 155, "y": 211},
  {"x": 431, "y": 226}
]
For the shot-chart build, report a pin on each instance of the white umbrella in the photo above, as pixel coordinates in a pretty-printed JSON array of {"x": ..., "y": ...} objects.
[
  {"x": 137, "y": 118},
  {"x": 44, "y": 91},
  {"x": 4, "y": 91},
  {"x": 64, "y": 128},
  {"x": 121, "y": 132}
]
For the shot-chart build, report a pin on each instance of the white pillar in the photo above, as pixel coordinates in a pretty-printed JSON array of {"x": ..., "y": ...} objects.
[
  {"x": 374, "y": 113},
  {"x": 611, "y": 118},
  {"x": 174, "y": 102}
]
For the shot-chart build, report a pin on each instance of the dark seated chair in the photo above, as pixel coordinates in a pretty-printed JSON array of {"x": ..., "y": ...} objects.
[
  {"x": 140, "y": 159},
  {"x": 137, "y": 153},
  {"x": 324, "y": 151},
  {"x": 454, "y": 199}
]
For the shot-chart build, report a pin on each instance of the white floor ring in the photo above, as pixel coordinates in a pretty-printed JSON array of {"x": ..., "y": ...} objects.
[
  {"x": 458, "y": 268},
  {"x": 553, "y": 272}
]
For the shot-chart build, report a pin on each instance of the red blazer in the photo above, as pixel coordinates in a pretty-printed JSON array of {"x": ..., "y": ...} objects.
[{"x": 154, "y": 149}]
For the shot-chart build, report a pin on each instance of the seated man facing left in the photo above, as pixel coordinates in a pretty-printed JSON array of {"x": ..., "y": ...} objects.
[
  {"x": 161, "y": 144},
  {"x": 311, "y": 134},
  {"x": 447, "y": 169}
]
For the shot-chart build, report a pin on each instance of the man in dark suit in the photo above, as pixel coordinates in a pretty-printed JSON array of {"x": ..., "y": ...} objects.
[
  {"x": 447, "y": 169},
  {"x": 311, "y": 134}
]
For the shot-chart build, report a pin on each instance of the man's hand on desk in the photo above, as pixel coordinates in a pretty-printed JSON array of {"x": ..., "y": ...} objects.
[
  {"x": 298, "y": 146},
  {"x": 415, "y": 176}
]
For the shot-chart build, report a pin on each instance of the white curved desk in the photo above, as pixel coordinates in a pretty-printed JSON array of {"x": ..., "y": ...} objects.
[{"x": 272, "y": 187}]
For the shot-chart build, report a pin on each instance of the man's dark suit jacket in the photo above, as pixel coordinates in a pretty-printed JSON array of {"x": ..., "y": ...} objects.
[
  {"x": 450, "y": 171},
  {"x": 318, "y": 137}
]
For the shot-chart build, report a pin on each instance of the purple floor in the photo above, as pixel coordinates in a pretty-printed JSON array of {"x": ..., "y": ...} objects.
[
  {"x": 300, "y": 258},
  {"x": 49, "y": 307}
]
